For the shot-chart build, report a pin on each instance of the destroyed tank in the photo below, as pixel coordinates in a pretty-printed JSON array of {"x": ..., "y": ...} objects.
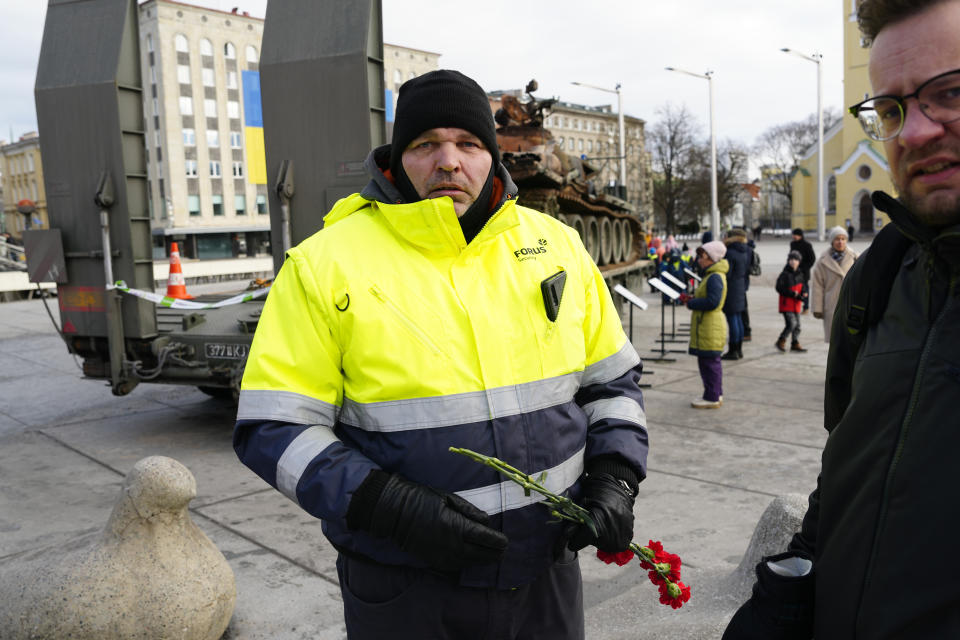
[{"x": 562, "y": 185}]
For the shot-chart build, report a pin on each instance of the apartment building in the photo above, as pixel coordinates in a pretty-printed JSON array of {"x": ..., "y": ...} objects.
[
  {"x": 204, "y": 130},
  {"x": 22, "y": 181},
  {"x": 399, "y": 65}
]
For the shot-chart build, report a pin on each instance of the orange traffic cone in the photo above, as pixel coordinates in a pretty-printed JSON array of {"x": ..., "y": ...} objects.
[{"x": 176, "y": 287}]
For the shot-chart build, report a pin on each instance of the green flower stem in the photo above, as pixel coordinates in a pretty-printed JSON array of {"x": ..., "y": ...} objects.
[
  {"x": 560, "y": 507},
  {"x": 663, "y": 568},
  {"x": 564, "y": 508}
]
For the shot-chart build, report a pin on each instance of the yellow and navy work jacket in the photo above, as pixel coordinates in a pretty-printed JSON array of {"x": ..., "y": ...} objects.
[{"x": 386, "y": 339}]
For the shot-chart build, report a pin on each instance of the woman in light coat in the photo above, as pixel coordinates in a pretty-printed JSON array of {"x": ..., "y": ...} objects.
[{"x": 827, "y": 276}]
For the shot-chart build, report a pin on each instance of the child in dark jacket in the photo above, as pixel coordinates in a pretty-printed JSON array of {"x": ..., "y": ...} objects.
[{"x": 790, "y": 286}]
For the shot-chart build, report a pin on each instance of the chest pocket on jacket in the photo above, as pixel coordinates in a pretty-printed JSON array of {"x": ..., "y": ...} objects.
[
  {"x": 560, "y": 343},
  {"x": 400, "y": 326}
]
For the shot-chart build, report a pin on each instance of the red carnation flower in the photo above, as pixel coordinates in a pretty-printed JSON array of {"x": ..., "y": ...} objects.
[
  {"x": 681, "y": 591},
  {"x": 621, "y": 557}
]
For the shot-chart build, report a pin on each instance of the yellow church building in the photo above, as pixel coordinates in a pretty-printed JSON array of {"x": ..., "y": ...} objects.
[{"x": 853, "y": 165}]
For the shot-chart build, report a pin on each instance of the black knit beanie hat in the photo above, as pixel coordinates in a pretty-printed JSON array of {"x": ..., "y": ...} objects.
[{"x": 442, "y": 98}]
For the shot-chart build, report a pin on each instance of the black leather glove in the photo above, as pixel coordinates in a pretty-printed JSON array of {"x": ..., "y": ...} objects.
[
  {"x": 442, "y": 529},
  {"x": 781, "y": 607},
  {"x": 610, "y": 503}
]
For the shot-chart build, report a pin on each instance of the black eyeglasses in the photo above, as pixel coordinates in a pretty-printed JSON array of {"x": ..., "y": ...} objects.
[{"x": 882, "y": 117}]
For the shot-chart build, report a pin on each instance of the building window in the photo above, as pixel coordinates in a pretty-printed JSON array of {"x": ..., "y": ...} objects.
[
  {"x": 190, "y": 167},
  {"x": 240, "y": 204},
  {"x": 189, "y": 138},
  {"x": 580, "y": 144},
  {"x": 570, "y": 144},
  {"x": 30, "y": 164},
  {"x": 233, "y": 109},
  {"x": 210, "y": 108},
  {"x": 397, "y": 76},
  {"x": 180, "y": 42},
  {"x": 153, "y": 74},
  {"x": 261, "y": 204},
  {"x": 231, "y": 79},
  {"x": 864, "y": 172},
  {"x": 213, "y": 138},
  {"x": 832, "y": 195},
  {"x": 412, "y": 75},
  {"x": 207, "y": 74},
  {"x": 229, "y": 51},
  {"x": 193, "y": 205},
  {"x": 218, "y": 205},
  {"x": 215, "y": 171},
  {"x": 183, "y": 74},
  {"x": 235, "y": 140},
  {"x": 157, "y": 138},
  {"x": 149, "y": 42},
  {"x": 237, "y": 169},
  {"x": 206, "y": 47},
  {"x": 589, "y": 146},
  {"x": 186, "y": 105},
  {"x": 252, "y": 56}
]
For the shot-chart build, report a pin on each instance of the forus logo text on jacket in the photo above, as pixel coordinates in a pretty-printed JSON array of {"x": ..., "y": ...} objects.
[{"x": 531, "y": 253}]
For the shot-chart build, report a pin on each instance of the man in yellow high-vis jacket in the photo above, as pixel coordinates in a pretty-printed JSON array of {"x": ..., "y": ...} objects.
[{"x": 434, "y": 311}]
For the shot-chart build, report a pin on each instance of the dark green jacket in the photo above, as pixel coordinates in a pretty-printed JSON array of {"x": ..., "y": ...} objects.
[{"x": 884, "y": 521}]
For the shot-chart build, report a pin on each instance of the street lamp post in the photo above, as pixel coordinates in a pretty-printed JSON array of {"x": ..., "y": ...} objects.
[
  {"x": 817, "y": 59},
  {"x": 623, "y": 153},
  {"x": 714, "y": 210}
]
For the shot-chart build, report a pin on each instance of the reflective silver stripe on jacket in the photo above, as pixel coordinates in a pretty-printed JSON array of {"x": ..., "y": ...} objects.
[
  {"x": 506, "y": 495},
  {"x": 460, "y": 408},
  {"x": 621, "y": 408},
  {"x": 285, "y": 406},
  {"x": 611, "y": 367},
  {"x": 298, "y": 455}
]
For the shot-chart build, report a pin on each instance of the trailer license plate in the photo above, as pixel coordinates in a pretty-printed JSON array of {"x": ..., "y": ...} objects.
[{"x": 226, "y": 350}]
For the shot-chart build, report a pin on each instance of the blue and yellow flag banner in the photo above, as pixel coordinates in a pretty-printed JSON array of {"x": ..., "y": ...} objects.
[{"x": 253, "y": 128}]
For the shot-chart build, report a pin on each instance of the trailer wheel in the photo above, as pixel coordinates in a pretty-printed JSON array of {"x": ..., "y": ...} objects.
[
  {"x": 618, "y": 241},
  {"x": 591, "y": 237}
]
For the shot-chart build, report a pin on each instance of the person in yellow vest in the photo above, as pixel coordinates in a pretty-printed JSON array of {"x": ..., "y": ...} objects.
[
  {"x": 433, "y": 311},
  {"x": 708, "y": 325}
]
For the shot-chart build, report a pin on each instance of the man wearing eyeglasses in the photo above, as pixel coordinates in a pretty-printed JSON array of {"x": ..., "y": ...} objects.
[{"x": 876, "y": 557}]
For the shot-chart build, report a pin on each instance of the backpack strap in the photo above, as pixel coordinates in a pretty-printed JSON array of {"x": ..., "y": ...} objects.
[{"x": 871, "y": 284}]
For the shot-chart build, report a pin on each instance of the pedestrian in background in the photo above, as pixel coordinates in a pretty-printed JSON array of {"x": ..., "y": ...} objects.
[
  {"x": 790, "y": 288},
  {"x": 708, "y": 326},
  {"x": 738, "y": 279},
  {"x": 828, "y": 275},
  {"x": 754, "y": 270},
  {"x": 807, "y": 260}
]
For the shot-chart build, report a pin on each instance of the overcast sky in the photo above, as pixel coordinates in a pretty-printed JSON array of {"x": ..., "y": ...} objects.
[{"x": 502, "y": 44}]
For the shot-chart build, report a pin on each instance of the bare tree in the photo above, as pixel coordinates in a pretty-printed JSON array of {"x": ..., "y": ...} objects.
[
  {"x": 732, "y": 162},
  {"x": 782, "y": 146},
  {"x": 672, "y": 141}
]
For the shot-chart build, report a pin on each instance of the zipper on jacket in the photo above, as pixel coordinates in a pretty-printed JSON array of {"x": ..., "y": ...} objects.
[
  {"x": 904, "y": 431},
  {"x": 404, "y": 319}
]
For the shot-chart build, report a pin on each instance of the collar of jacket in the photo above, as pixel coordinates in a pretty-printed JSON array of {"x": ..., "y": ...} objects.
[
  {"x": 829, "y": 263},
  {"x": 941, "y": 245},
  {"x": 721, "y": 266},
  {"x": 431, "y": 224}
]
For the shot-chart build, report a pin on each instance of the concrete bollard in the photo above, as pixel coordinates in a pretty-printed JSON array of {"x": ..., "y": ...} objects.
[
  {"x": 780, "y": 520},
  {"x": 150, "y": 573}
]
